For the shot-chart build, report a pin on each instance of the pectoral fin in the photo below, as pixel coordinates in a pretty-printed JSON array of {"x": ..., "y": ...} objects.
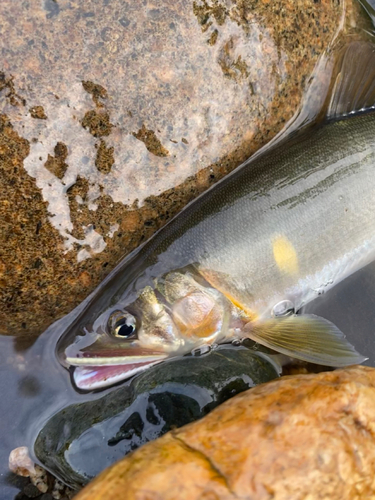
[{"x": 306, "y": 337}]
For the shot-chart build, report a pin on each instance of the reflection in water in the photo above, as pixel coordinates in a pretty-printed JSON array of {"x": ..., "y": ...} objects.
[
  {"x": 29, "y": 386},
  {"x": 80, "y": 441}
]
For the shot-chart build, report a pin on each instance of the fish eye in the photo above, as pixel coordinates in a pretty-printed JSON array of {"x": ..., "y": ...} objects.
[{"x": 122, "y": 325}]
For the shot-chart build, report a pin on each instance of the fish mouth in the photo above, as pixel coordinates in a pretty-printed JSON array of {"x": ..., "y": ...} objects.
[{"x": 104, "y": 369}]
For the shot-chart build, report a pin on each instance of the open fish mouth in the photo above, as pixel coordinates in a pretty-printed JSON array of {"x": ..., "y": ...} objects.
[{"x": 104, "y": 369}]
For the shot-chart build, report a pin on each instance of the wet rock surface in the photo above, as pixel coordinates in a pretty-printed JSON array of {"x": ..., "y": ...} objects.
[
  {"x": 81, "y": 440},
  {"x": 303, "y": 436},
  {"x": 113, "y": 115}
]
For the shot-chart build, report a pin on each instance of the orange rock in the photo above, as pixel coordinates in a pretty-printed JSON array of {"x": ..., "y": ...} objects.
[{"x": 299, "y": 437}]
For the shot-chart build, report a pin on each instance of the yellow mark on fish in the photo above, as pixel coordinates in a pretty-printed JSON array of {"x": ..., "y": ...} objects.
[{"x": 285, "y": 255}]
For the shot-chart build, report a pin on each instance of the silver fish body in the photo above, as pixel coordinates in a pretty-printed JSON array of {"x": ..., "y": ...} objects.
[
  {"x": 243, "y": 258},
  {"x": 287, "y": 226}
]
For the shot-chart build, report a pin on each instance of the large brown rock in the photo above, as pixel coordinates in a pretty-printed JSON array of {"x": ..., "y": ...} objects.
[
  {"x": 113, "y": 115},
  {"x": 300, "y": 437}
]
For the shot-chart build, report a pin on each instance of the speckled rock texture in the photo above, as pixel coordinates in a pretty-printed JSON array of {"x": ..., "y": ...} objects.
[
  {"x": 300, "y": 437},
  {"x": 114, "y": 115}
]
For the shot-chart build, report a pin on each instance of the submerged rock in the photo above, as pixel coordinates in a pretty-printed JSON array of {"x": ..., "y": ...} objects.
[
  {"x": 113, "y": 115},
  {"x": 81, "y": 440},
  {"x": 299, "y": 437}
]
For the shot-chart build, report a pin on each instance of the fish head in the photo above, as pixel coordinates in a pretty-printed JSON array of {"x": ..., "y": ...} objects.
[{"x": 171, "y": 318}]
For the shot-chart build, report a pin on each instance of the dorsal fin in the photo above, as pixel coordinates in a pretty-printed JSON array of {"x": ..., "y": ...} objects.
[{"x": 354, "y": 86}]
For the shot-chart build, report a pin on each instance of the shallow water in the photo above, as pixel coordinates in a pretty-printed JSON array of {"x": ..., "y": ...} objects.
[{"x": 33, "y": 386}]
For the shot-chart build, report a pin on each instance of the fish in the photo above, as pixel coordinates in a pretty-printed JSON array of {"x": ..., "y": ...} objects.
[{"x": 242, "y": 259}]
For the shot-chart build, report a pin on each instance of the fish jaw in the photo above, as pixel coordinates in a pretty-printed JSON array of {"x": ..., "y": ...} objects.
[
  {"x": 104, "y": 368},
  {"x": 90, "y": 378}
]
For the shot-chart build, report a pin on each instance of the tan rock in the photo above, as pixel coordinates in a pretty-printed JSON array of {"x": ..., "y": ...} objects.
[{"x": 299, "y": 437}]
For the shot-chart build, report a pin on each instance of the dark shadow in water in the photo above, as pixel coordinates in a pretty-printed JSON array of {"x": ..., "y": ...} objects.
[{"x": 350, "y": 305}]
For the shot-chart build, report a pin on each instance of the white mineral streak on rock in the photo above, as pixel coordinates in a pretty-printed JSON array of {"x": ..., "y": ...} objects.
[
  {"x": 62, "y": 125},
  {"x": 94, "y": 243},
  {"x": 83, "y": 255},
  {"x": 112, "y": 230}
]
